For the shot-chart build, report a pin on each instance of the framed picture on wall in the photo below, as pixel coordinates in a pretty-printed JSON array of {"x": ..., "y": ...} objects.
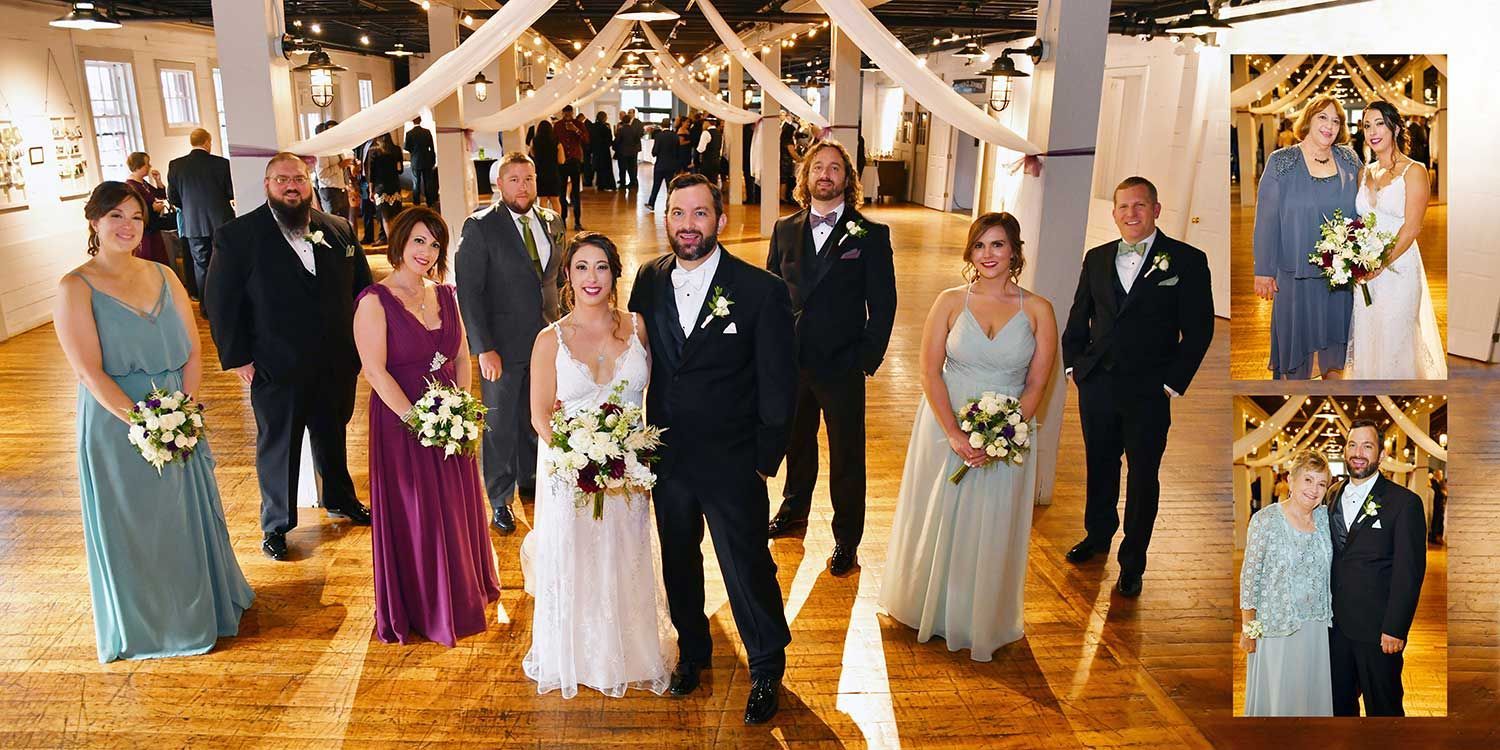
[
  {"x": 904, "y": 134},
  {"x": 969, "y": 86},
  {"x": 36, "y": 154}
]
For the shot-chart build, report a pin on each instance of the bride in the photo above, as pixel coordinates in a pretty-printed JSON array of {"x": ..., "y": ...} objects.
[
  {"x": 1396, "y": 337},
  {"x": 600, "y": 617}
]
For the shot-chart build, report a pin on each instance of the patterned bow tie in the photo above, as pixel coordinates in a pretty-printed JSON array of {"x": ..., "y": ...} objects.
[
  {"x": 1126, "y": 248},
  {"x": 828, "y": 220}
]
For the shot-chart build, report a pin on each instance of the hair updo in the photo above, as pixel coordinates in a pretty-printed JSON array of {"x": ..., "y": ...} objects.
[
  {"x": 106, "y": 196},
  {"x": 1012, "y": 228},
  {"x": 1393, "y": 122}
]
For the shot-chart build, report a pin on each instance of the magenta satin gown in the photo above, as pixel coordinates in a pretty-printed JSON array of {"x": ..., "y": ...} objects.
[{"x": 434, "y": 567}]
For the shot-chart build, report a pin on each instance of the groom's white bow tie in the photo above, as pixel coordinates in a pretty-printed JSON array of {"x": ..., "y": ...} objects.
[{"x": 680, "y": 277}]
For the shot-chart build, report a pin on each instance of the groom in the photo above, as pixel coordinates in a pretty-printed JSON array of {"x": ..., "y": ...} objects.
[
  {"x": 1142, "y": 319},
  {"x": 723, "y": 381},
  {"x": 1379, "y": 534}
]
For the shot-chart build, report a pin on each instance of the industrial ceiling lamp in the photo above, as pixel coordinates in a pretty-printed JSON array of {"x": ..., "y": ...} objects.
[
  {"x": 647, "y": 10},
  {"x": 638, "y": 44},
  {"x": 1002, "y": 85},
  {"x": 481, "y": 86},
  {"x": 320, "y": 70},
  {"x": 85, "y": 17},
  {"x": 971, "y": 51},
  {"x": 399, "y": 50}
]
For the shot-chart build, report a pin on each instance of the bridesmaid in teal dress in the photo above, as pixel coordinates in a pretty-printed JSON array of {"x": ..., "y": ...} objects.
[
  {"x": 956, "y": 567},
  {"x": 162, "y": 574}
]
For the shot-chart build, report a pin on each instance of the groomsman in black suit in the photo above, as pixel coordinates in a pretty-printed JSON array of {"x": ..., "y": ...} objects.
[
  {"x": 1142, "y": 319},
  {"x": 418, "y": 143},
  {"x": 198, "y": 184},
  {"x": 280, "y": 302},
  {"x": 1379, "y": 559},
  {"x": 837, "y": 265}
]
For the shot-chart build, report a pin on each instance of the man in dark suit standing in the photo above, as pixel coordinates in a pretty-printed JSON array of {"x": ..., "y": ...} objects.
[
  {"x": 198, "y": 185},
  {"x": 628, "y": 149},
  {"x": 665, "y": 148},
  {"x": 507, "y": 272},
  {"x": 1379, "y": 535},
  {"x": 280, "y": 304},
  {"x": 1142, "y": 319},
  {"x": 838, "y": 267},
  {"x": 418, "y": 143},
  {"x": 722, "y": 384}
]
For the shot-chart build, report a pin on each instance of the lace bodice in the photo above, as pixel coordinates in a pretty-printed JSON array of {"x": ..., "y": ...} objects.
[
  {"x": 1285, "y": 577},
  {"x": 576, "y": 388}
]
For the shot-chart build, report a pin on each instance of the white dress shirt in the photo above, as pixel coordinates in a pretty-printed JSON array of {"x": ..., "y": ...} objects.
[
  {"x": 538, "y": 232},
  {"x": 302, "y": 246},
  {"x": 1354, "y": 496},
  {"x": 331, "y": 171},
  {"x": 704, "y": 138},
  {"x": 1128, "y": 266},
  {"x": 821, "y": 232},
  {"x": 691, "y": 288}
]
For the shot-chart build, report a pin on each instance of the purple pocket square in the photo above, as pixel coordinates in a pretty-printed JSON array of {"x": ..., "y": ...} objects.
[{"x": 850, "y": 255}]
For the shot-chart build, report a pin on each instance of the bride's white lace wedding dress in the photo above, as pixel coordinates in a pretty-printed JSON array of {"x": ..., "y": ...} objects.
[
  {"x": 600, "y": 617},
  {"x": 1396, "y": 337}
]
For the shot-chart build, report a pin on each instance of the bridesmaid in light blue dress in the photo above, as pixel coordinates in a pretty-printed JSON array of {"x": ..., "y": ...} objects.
[
  {"x": 956, "y": 567},
  {"x": 162, "y": 574}
]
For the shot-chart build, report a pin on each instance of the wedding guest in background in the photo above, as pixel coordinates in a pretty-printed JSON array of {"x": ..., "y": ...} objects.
[
  {"x": 710, "y": 150},
  {"x": 628, "y": 149},
  {"x": 434, "y": 568},
  {"x": 956, "y": 567},
  {"x": 146, "y": 182},
  {"x": 418, "y": 143},
  {"x": 1285, "y": 603},
  {"x": 586, "y": 167},
  {"x": 1284, "y": 136},
  {"x": 383, "y": 168},
  {"x": 198, "y": 185},
  {"x": 665, "y": 151},
  {"x": 574, "y": 141},
  {"x": 368, "y": 210},
  {"x": 601, "y": 139},
  {"x": 1439, "y": 484},
  {"x": 507, "y": 283},
  {"x": 790, "y": 156},
  {"x": 333, "y": 180},
  {"x": 162, "y": 573},
  {"x": 281, "y": 305},
  {"x": 837, "y": 265},
  {"x": 1302, "y": 187},
  {"x": 547, "y": 158}
]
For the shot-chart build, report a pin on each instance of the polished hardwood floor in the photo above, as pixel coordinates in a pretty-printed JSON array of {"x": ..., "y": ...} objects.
[{"x": 1093, "y": 670}]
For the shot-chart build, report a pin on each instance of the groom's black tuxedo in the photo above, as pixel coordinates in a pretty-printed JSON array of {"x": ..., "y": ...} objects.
[
  {"x": 1122, "y": 347},
  {"x": 724, "y": 393},
  {"x": 1379, "y": 562}
]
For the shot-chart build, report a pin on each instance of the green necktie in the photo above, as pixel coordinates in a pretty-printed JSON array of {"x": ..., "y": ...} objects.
[
  {"x": 1126, "y": 248},
  {"x": 526, "y": 236}
]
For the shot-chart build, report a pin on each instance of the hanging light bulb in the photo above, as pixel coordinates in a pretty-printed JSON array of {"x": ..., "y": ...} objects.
[
  {"x": 398, "y": 50},
  {"x": 647, "y": 10},
  {"x": 85, "y": 17},
  {"x": 970, "y": 51},
  {"x": 469, "y": 21},
  {"x": 364, "y": 39},
  {"x": 481, "y": 86},
  {"x": 320, "y": 70}
]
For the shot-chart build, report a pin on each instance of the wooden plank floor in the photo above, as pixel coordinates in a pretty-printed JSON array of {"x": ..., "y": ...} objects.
[{"x": 1094, "y": 670}]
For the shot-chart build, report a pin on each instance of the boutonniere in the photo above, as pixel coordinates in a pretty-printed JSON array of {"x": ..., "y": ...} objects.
[
  {"x": 855, "y": 229},
  {"x": 1371, "y": 509},
  {"x": 316, "y": 238},
  {"x": 546, "y": 214},
  {"x": 1162, "y": 261},
  {"x": 718, "y": 306}
]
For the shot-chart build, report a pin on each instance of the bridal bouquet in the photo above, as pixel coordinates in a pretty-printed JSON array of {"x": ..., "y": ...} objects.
[
  {"x": 166, "y": 427},
  {"x": 993, "y": 422},
  {"x": 446, "y": 417},
  {"x": 1351, "y": 251},
  {"x": 605, "y": 449}
]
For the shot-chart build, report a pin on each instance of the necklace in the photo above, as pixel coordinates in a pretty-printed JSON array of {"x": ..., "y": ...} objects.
[{"x": 421, "y": 298}]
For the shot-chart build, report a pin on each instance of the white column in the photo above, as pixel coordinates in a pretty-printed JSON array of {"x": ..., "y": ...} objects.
[
  {"x": 1245, "y": 133},
  {"x": 510, "y": 140},
  {"x": 769, "y": 155},
  {"x": 261, "y": 113},
  {"x": 734, "y": 138},
  {"x": 845, "y": 88},
  {"x": 455, "y": 170},
  {"x": 1064, "y": 100}
]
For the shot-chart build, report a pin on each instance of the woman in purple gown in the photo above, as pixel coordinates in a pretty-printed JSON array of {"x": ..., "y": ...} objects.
[{"x": 434, "y": 568}]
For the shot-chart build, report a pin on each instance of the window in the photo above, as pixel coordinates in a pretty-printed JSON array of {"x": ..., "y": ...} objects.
[
  {"x": 310, "y": 123},
  {"x": 117, "y": 122},
  {"x": 645, "y": 101},
  {"x": 179, "y": 96},
  {"x": 219, "y": 104},
  {"x": 366, "y": 93}
]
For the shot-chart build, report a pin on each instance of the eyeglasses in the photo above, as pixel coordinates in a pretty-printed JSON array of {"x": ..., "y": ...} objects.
[{"x": 298, "y": 180}]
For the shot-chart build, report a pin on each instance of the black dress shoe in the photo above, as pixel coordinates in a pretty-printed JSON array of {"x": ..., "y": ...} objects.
[
  {"x": 353, "y": 513},
  {"x": 1082, "y": 552},
  {"x": 764, "y": 692},
  {"x": 843, "y": 560},
  {"x": 785, "y": 526},
  {"x": 274, "y": 546},
  {"x": 684, "y": 679},
  {"x": 502, "y": 520},
  {"x": 1129, "y": 585}
]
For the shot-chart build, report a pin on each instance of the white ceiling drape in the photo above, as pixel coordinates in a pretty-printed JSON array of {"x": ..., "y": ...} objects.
[
  {"x": 1412, "y": 430},
  {"x": 599, "y": 90},
  {"x": 1299, "y": 93},
  {"x": 1372, "y": 87},
  {"x": 770, "y": 82},
  {"x": 1440, "y": 62},
  {"x": 579, "y": 77},
  {"x": 1260, "y": 435},
  {"x": 921, "y": 84},
  {"x": 442, "y": 78},
  {"x": 1264, "y": 83},
  {"x": 688, "y": 90}
]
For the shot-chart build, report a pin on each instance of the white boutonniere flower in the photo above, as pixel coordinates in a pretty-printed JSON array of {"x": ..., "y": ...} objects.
[
  {"x": 316, "y": 238},
  {"x": 855, "y": 229},
  {"x": 1162, "y": 262},
  {"x": 1372, "y": 509},
  {"x": 718, "y": 306},
  {"x": 545, "y": 213}
]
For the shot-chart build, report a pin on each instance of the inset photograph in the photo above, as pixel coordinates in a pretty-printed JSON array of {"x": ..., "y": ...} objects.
[{"x": 1342, "y": 569}]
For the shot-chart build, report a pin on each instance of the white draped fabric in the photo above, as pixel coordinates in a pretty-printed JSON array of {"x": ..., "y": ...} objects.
[
  {"x": 770, "y": 83},
  {"x": 1262, "y": 434},
  {"x": 1264, "y": 83},
  {"x": 688, "y": 90},
  {"x": 1289, "y": 448},
  {"x": 579, "y": 77},
  {"x": 1299, "y": 93},
  {"x": 442, "y": 78},
  {"x": 1440, "y": 62},
  {"x": 1412, "y": 430},
  {"x": 599, "y": 90},
  {"x": 1372, "y": 87},
  {"x": 854, "y": 19}
]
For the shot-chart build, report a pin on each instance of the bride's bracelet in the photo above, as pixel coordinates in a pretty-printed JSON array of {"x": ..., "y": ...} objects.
[{"x": 1253, "y": 630}]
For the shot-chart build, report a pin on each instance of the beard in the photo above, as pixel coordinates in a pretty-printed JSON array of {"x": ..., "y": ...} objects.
[
  {"x": 294, "y": 217},
  {"x": 706, "y": 245},
  {"x": 1369, "y": 470},
  {"x": 517, "y": 206},
  {"x": 824, "y": 193}
]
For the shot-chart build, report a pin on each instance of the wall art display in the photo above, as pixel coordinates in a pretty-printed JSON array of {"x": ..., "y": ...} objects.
[
  {"x": 12, "y": 173},
  {"x": 68, "y": 155}
]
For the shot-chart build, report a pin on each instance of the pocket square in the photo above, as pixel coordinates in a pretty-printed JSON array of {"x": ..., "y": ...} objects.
[
  {"x": 730, "y": 328},
  {"x": 1375, "y": 525},
  {"x": 1168, "y": 282},
  {"x": 349, "y": 252},
  {"x": 851, "y": 255}
]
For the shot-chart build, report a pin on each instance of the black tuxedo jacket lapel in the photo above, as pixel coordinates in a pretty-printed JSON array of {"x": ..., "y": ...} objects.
[
  {"x": 1140, "y": 284},
  {"x": 664, "y": 312},
  {"x": 1103, "y": 282},
  {"x": 1338, "y": 526},
  {"x": 278, "y": 245},
  {"x": 511, "y": 234},
  {"x": 723, "y": 279},
  {"x": 825, "y": 260},
  {"x": 1361, "y": 521}
]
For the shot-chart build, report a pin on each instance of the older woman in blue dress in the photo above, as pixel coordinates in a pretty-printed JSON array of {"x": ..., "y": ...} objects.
[
  {"x": 1285, "y": 599},
  {"x": 1302, "y": 187}
]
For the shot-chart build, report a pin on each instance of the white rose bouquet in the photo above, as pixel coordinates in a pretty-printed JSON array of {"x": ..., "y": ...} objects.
[
  {"x": 604, "y": 450},
  {"x": 1351, "y": 251},
  {"x": 993, "y": 423},
  {"x": 446, "y": 417},
  {"x": 166, "y": 427}
]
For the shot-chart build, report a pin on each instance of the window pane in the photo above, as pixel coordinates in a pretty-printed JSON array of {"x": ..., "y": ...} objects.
[
  {"x": 179, "y": 97},
  {"x": 116, "y": 123}
]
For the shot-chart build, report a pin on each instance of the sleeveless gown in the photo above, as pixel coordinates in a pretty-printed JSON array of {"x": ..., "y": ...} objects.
[
  {"x": 162, "y": 573},
  {"x": 600, "y": 616},
  {"x": 1396, "y": 337},
  {"x": 434, "y": 567},
  {"x": 956, "y": 566}
]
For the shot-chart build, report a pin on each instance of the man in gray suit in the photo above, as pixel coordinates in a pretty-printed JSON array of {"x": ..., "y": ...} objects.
[
  {"x": 199, "y": 186},
  {"x": 507, "y": 268}
]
